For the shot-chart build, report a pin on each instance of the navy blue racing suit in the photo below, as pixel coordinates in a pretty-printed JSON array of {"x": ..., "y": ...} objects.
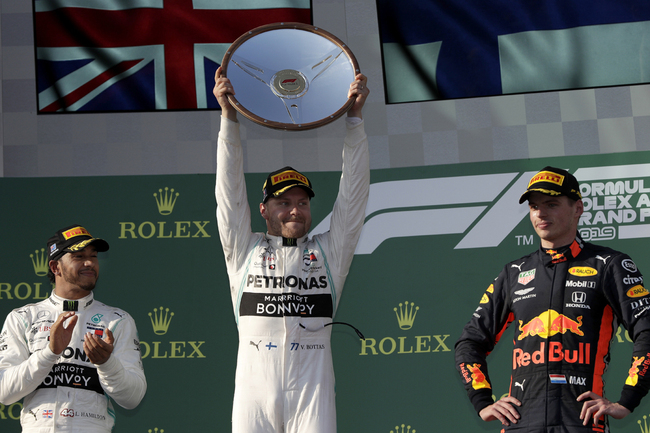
[{"x": 566, "y": 306}]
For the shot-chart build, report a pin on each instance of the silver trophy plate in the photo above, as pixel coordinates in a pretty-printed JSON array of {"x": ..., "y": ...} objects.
[{"x": 290, "y": 76}]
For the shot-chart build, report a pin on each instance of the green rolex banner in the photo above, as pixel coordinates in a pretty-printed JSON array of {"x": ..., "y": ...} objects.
[{"x": 434, "y": 239}]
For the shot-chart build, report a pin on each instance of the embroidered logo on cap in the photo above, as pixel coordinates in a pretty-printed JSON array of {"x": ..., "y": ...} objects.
[
  {"x": 288, "y": 175},
  {"x": 77, "y": 231},
  {"x": 547, "y": 176}
]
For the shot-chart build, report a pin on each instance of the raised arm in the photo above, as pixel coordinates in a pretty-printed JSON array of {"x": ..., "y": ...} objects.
[
  {"x": 233, "y": 212},
  {"x": 348, "y": 213}
]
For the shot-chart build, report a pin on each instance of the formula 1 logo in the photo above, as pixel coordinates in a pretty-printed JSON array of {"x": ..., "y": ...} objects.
[{"x": 485, "y": 209}]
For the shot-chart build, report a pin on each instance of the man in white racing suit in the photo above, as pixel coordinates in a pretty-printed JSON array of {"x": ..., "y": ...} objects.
[
  {"x": 286, "y": 286},
  {"x": 69, "y": 355}
]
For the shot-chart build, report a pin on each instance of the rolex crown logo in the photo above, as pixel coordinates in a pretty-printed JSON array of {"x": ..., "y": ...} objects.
[
  {"x": 160, "y": 320},
  {"x": 406, "y": 315},
  {"x": 405, "y": 429},
  {"x": 156, "y": 430},
  {"x": 165, "y": 200},
  {"x": 40, "y": 262},
  {"x": 645, "y": 428}
]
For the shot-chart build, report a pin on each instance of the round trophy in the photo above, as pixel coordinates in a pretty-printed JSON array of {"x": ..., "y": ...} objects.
[{"x": 290, "y": 76}]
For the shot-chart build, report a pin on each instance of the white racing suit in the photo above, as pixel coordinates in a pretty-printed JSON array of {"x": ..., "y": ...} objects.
[
  {"x": 67, "y": 393},
  {"x": 284, "y": 296}
]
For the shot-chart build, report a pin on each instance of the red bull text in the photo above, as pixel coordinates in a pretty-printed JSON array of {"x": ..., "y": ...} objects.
[
  {"x": 546, "y": 325},
  {"x": 640, "y": 366},
  {"x": 556, "y": 353},
  {"x": 633, "y": 374}
]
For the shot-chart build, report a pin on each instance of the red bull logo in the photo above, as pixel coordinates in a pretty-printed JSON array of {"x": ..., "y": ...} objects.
[
  {"x": 633, "y": 374},
  {"x": 556, "y": 257},
  {"x": 549, "y": 323},
  {"x": 556, "y": 353},
  {"x": 479, "y": 381}
]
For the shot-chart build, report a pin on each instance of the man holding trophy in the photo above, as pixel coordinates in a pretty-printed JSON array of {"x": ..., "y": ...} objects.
[{"x": 285, "y": 284}]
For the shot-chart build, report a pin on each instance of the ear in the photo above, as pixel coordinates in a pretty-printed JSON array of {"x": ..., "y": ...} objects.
[
  {"x": 54, "y": 266},
  {"x": 263, "y": 211},
  {"x": 580, "y": 208}
]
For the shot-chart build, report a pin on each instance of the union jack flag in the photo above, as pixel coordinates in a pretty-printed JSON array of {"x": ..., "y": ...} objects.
[
  {"x": 97, "y": 331},
  {"x": 47, "y": 413},
  {"x": 145, "y": 55}
]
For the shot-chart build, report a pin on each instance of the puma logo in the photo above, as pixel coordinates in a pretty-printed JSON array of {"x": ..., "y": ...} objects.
[
  {"x": 520, "y": 385},
  {"x": 604, "y": 259},
  {"x": 518, "y": 266}
]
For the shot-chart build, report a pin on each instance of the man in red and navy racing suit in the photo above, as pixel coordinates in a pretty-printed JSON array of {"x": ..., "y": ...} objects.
[
  {"x": 70, "y": 355},
  {"x": 286, "y": 286},
  {"x": 566, "y": 303}
]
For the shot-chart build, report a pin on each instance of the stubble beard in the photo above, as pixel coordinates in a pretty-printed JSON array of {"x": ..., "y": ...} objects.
[
  {"x": 280, "y": 228},
  {"x": 76, "y": 280}
]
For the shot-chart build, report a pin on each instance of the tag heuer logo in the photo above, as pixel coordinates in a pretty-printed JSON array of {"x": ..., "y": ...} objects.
[{"x": 526, "y": 277}]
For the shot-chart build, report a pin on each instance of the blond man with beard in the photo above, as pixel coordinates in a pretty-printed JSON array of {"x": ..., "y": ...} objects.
[{"x": 286, "y": 285}]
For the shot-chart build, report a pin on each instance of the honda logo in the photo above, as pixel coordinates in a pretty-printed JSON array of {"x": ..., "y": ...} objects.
[{"x": 579, "y": 297}]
